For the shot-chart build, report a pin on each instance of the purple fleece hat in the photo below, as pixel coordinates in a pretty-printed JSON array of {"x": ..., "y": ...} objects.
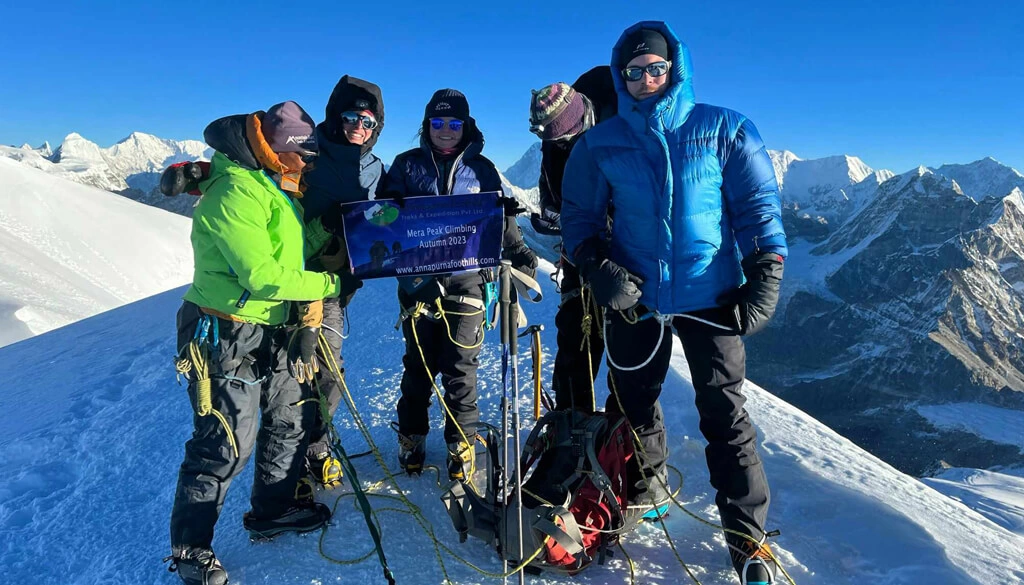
[
  {"x": 288, "y": 128},
  {"x": 557, "y": 111}
]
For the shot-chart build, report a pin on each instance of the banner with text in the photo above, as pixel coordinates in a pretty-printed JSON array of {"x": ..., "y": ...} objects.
[{"x": 429, "y": 235}]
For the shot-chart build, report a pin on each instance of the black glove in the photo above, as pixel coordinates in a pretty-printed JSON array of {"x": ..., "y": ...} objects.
[
  {"x": 511, "y": 206},
  {"x": 332, "y": 220},
  {"x": 350, "y": 283},
  {"x": 756, "y": 300},
  {"x": 522, "y": 257},
  {"x": 546, "y": 222},
  {"x": 613, "y": 286},
  {"x": 302, "y": 360}
]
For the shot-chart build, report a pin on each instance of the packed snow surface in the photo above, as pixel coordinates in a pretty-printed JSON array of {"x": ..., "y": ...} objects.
[
  {"x": 71, "y": 251},
  {"x": 92, "y": 426}
]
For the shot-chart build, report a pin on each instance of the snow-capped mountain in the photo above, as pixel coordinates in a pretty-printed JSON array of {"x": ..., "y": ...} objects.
[
  {"x": 916, "y": 300},
  {"x": 820, "y": 194},
  {"x": 131, "y": 167},
  {"x": 983, "y": 178},
  {"x": 71, "y": 251},
  {"x": 95, "y": 470},
  {"x": 44, "y": 150}
]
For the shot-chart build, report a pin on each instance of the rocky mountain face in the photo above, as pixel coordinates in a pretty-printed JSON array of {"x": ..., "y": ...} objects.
[
  {"x": 900, "y": 291},
  {"x": 526, "y": 171},
  {"x": 915, "y": 299}
]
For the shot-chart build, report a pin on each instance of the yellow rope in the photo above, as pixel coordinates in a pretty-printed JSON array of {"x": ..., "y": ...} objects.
[
  {"x": 335, "y": 370},
  {"x": 412, "y": 509},
  {"x": 204, "y": 391},
  {"x": 441, "y": 315},
  {"x": 629, "y": 563},
  {"x": 444, "y": 405}
]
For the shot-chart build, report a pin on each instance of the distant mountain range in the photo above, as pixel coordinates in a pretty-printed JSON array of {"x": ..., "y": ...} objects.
[{"x": 131, "y": 167}]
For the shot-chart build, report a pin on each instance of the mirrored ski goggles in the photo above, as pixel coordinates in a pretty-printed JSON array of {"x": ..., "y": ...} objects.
[
  {"x": 453, "y": 125},
  {"x": 656, "y": 69},
  {"x": 353, "y": 118}
]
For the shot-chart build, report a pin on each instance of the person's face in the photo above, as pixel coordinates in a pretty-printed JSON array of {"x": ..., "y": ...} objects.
[
  {"x": 442, "y": 135},
  {"x": 295, "y": 161},
  {"x": 353, "y": 126},
  {"x": 648, "y": 86}
]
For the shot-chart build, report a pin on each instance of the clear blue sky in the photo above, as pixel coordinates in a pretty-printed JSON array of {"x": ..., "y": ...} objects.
[{"x": 897, "y": 83}]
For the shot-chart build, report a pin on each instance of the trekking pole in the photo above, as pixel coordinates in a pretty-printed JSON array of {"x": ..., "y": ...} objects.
[
  {"x": 504, "y": 299},
  {"x": 510, "y": 322}
]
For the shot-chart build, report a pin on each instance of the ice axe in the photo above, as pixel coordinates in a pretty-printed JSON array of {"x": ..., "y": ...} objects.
[{"x": 539, "y": 396}]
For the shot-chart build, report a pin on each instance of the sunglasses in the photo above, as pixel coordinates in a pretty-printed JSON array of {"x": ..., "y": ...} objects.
[
  {"x": 637, "y": 73},
  {"x": 353, "y": 118},
  {"x": 453, "y": 125},
  {"x": 309, "y": 157}
]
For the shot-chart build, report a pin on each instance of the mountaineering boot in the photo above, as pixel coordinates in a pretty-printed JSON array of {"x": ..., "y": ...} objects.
[
  {"x": 324, "y": 469},
  {"x": 302, "y": 517},
  {"x": 753, "y": 562},
  {"x": 652, "y": 497},
  {"x": 197, "y": 566},
  {"x": 412, "y": 451},
  {"x": 460, "y": 460}
]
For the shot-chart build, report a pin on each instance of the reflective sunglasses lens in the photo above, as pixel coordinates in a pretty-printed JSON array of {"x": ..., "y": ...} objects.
[
  {"x": 657, "y": 69},
  {"x": 368, "y": 122},
  {"x": 436, "y": 123},
  {"x": 633, "y": 73},
  {"x": 309, "y": 157},
  {"x": 455, "y": 125}
]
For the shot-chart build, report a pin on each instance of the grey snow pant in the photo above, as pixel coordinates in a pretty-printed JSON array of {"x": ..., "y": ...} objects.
[{"x": 252, "y": 388}]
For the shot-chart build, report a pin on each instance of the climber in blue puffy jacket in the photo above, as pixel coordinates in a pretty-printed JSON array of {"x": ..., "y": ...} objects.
[{"x": 695, "y": 244}]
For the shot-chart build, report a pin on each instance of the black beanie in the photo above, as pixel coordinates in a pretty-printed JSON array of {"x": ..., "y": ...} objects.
[
  {"x": 447, "y": 103},
  {"x": 642, "y": 42}
]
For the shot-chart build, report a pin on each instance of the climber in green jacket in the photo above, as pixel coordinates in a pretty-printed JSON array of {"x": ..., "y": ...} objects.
[{"x": 244, "y": 342}]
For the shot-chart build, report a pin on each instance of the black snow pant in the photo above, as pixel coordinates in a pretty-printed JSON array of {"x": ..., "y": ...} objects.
[
  {"x": 575, "y": 371},
  {"x": 251, "y": 387},
  {"x": 330, "y": 390},
  {"x": 443, "y": 355},
  {"x": 717, "y": 361}
]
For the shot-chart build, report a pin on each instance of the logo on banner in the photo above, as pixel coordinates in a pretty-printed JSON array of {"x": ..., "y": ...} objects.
[{"x": 381, "y": 214}]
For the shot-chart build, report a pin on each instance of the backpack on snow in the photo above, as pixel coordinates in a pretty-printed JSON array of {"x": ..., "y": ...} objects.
[{"x": 574, "y": 501}]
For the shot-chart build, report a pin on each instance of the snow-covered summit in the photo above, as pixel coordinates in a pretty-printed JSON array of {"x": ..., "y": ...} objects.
[
  {"x": 822, "y": 187},
  {"x": 983, "y": 178}
]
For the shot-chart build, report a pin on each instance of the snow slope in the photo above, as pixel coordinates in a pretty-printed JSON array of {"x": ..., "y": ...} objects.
[
  {"x": 92, "y": 426},
  {"x": 68, "y": 251}
]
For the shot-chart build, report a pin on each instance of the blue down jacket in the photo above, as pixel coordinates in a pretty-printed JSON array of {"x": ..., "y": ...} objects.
[{"x": 689, "y": 187}]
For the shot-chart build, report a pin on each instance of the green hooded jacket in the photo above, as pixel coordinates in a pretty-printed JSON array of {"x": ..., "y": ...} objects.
[{"x": 249, "y": 248}]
